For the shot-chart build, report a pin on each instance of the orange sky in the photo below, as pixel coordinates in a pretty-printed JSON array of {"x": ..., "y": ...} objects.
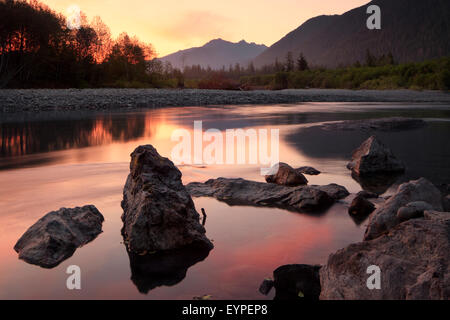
[{"x": 171, "y": 25}]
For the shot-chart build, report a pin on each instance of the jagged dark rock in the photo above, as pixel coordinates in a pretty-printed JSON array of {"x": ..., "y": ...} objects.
[
  {"x": 385, "y": 217},
  {"x": 244, "y": 192},
  {"x": 159, "y": 213},
  {"x": 374, "y": 157},
  {"x": 56, "y": 236}
]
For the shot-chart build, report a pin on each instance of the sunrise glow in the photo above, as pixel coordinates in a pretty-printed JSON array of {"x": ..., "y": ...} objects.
[{"x": 174, "y": 25}]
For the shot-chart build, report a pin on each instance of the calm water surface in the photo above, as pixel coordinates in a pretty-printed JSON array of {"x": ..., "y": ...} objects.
[{"x": 72, "y": 160}]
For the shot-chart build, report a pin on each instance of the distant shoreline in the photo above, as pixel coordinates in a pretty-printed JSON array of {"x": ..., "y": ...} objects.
[{"x": 57, "y": 100}]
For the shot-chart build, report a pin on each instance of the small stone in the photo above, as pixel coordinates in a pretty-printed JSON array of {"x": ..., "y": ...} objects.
[
  {"x": 287, "y": 176},
  {"x": 266, "y": 286},
  {"x": 413, "y": 210},
  {"x": 361, "y": 207}
]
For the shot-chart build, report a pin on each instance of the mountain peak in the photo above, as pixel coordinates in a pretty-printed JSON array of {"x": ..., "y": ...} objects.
[{"x": 216, "y": 54}]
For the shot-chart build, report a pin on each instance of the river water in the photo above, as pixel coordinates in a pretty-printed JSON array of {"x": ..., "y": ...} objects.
[{"x": 72, "y": 160}]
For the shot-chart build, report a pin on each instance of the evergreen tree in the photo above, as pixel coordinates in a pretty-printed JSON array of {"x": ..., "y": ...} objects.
[{"x": 302, "y": 64}]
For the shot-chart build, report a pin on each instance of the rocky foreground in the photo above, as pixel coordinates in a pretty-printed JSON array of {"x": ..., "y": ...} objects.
[
  {"x": 19, "y": 101},
  {"x": 413, "y": 257},
  {"x": 407, "y": 239}
]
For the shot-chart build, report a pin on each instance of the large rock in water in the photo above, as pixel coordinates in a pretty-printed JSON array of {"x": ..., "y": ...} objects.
[
  {"x": 245, "y": 192},
  {"x": 159, "y": 213},
  {"x": 374, "y": 157},
  {"x": 287, "y": 176},
  {"x": 56, "y": 236},
  {"x": 414, "y": 260},
  {"x": 385, "y": 217}
]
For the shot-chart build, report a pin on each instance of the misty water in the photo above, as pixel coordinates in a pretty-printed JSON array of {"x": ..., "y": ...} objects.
[{"x": 68, "y": 160}]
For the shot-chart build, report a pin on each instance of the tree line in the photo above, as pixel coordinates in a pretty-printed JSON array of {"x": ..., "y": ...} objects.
[{"x": 39, "y": 50}]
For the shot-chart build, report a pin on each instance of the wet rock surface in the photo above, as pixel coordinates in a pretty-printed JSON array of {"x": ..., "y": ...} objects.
[
  {"x": 308, "y": 170},
  {"x": 374, "y": 157},
  {"x": 287, "y": 176},
  {"x": 385, "y": 217},
  {"x": 245, "y": 192},
  {"x": 413, "y": 258},
  {"x": 56, "y": 236},
  {"x": 159, "y": 213},
  {"x": 335, "y": 191}
]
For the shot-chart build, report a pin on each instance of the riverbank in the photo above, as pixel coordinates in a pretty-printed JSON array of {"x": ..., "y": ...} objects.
[{"x": 20, "y": 101}]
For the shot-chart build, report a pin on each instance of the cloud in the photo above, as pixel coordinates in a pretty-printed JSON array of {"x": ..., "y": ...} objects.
[{"x": 198, "y": 25}]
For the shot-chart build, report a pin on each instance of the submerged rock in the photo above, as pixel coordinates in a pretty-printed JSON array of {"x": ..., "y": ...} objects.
[
  {"x": 335, "y": 191},
  {"x": 56, "y": 236},
  {"x": 297, "y": 281},
  {"x": 308, "y": 170},
  {"x": 159, "y": 213},
  {"x": 374, "y": 157},
  {"x": 245, "y": 192},
  {"x": 383, "y": 124},
  {"x": 165, "y": 268},
  {"x": 287, "y": 176},
  {"x": 413, "y": 257},
  {"x": 385, "y": 217},
  {"x": 360, "y": 206},
  {"x": 413, "y": 210}
]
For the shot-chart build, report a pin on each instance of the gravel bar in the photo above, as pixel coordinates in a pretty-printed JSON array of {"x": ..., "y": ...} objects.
[{"x": 30, "y": 100}]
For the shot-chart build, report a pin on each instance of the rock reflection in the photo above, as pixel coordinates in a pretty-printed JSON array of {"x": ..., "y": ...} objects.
[
  {"x": 164, "y": 268},
  {"x": 377, "y": 183}
]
